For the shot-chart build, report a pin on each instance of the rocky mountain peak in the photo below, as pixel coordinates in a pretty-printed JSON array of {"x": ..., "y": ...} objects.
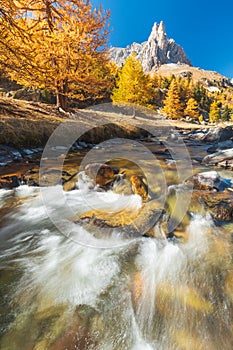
[
  {"x": 154, "y": 52},
  {"x": 158, "y": 31}
]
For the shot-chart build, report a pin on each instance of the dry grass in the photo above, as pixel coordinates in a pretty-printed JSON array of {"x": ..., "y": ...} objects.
[
  {"x": 25, "y": 123},
  {"x": 30, "y": 124}
]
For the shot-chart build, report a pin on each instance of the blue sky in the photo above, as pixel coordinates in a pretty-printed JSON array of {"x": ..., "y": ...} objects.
[{"x": 204, "y": 28}]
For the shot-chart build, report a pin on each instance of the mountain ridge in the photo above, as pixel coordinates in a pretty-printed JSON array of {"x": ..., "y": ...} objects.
[{"x": 154, "y": 52}]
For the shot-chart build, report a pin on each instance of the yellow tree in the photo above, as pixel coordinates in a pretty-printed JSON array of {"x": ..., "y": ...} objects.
[
  {"x": 133, "y": 85},
  {"x": 215, "y": 113},
  {"x": 172, "y": 104},
  {"x": 63, "y": 49},
  {"x": 191, "y": 109}
]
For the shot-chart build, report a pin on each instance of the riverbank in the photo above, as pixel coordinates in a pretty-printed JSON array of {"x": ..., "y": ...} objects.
[
  {"x": 29, "y": 124},
  {"x": 25, "y": 127}
]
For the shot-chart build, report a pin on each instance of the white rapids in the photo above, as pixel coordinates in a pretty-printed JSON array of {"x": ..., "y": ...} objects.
[{"x": 144, "y": 294}]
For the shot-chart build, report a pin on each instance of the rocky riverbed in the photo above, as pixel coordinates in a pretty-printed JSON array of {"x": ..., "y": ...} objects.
[
  {"x": 209, "y": 189},
  {"x": 118, "y": 245}
]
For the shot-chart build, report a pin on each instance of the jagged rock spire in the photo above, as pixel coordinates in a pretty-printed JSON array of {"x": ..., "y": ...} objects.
[{"x": 157, "y": 50}]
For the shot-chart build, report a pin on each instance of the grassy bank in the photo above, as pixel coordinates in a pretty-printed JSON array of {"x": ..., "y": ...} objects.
[{"x": 30, "y": 124}]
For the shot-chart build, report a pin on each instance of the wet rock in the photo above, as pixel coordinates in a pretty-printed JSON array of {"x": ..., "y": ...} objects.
[
  {"x": 10, "y": 182},
  {"x": 125, "y": 183},
  {"x": 218, "y": 135},
  {"x": 136, "y": 223},
  {"x": 27, "y": 152},
  {"x": 218, "y": 204},
  {"x": 8, "y": 154},
  {"x": 194, "y": 135},
  {"x": 145, "y": 222},
  {"x": 209, "y": 181},
  {"x": 220, "y": 146},
  {"x": 71, "y": 183},
  {"x": 100, "y": 174},
  {"x": 15, "y": 182},
  {"x": 139, "y": 186},
  {"x": 227, "y": 164},
  {"x": 77, "y": 181},
  {"x": 218, "y": 157}
]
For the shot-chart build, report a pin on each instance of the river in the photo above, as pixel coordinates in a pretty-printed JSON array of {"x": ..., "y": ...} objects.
[{"x": 79, "y": 291}]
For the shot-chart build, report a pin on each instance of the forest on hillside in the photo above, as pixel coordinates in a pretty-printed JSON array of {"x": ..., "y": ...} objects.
[{"x": 60, "y": 49}]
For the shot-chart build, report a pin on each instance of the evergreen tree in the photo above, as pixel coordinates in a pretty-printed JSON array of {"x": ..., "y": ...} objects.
[
  {"x": 192, "y": 109},
  {"x": 214, "y": 115},
  {"x": 133, "y": 85},
  {"x": 172, "y": 104},
  {"x": 200, "y": 95},
  {"x": 226, "y": 114}
]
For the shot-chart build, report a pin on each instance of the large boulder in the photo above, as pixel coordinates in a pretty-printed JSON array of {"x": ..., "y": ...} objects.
[
  {"x": 10, "y": 181},
  {"x": 209, "y": 180},
  {"x": 215, "y": 135},
  {"x": 219, "y": 204},
  {"x": 220, "y": 146},
  {"x": 219, "y": 157},
  {"x": 139, "y": 186},
  {"x": 139, "y": 222}
]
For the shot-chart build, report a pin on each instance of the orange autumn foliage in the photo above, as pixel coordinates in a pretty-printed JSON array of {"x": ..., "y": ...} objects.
[{"x": 56, "y": 45}]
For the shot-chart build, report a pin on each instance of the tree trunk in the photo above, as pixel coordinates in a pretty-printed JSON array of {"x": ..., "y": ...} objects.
[
  {"x": 134, "y": 113},
  {"x": 62, "y": 88},
  {"x": 61, "y": 101}
]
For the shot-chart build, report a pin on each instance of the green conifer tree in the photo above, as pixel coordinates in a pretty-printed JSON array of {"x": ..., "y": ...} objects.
[
  {"x": 201, "y": 96},
  {"x": 226, "y": 114}
]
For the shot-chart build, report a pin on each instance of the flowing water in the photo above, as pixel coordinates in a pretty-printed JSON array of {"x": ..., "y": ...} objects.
[{"x": 133, "y": 294}]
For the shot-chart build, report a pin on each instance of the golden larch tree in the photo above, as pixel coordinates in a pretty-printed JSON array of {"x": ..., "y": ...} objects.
[
  {"x": 173, "y": 107},
  {"x": 62, "y": 49},
  {"x": 215, "y": 112},
  {"x": 133, "y": 85},
  {"x": 192, "y": 109}
]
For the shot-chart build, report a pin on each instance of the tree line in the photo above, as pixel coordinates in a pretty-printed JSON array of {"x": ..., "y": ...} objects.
[
  {"x": 176, "y": 97},
  {"x": 61, "y": 47}
]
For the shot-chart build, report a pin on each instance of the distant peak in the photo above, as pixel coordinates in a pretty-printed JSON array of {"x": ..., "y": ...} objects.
[
  {"x": 154, "y": 52},
  {"x": 158, "y": 31},
  {"x": 155, "y": 27},
  {"x": 161, "y": 27}
]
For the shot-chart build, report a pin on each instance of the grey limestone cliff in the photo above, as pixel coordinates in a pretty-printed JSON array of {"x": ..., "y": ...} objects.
[{"x": 154, "y": 52}]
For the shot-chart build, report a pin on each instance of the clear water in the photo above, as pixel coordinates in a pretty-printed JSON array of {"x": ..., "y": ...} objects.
[
  {"x": 144, "y": 294},
  {"x": 64, "y": 288}
]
